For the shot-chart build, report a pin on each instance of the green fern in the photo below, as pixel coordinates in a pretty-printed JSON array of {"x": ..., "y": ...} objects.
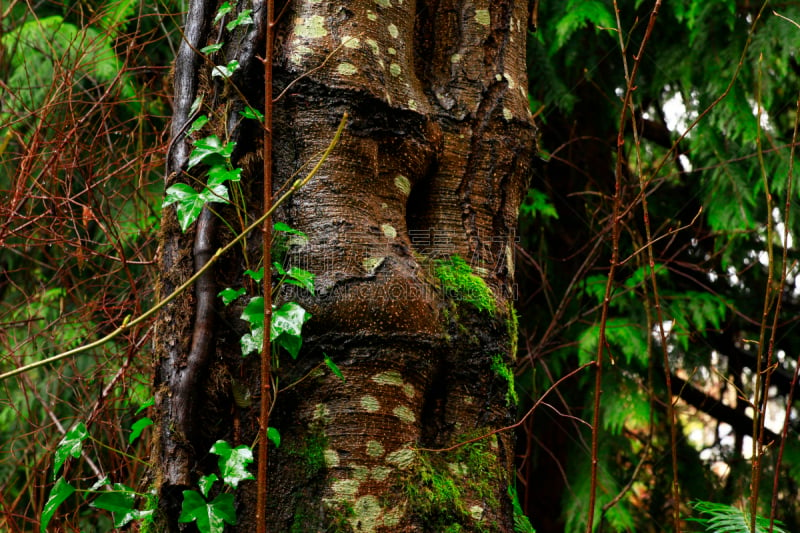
[{"x": 724, "y": 518}]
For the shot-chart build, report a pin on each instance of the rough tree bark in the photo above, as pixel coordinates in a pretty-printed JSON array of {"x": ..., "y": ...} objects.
[{"x": 410, "y": 227}]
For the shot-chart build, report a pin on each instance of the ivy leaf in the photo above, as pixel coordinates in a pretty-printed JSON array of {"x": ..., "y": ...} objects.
[
  {"x": 60, "y": 492},
  {"x": 274, "y": 436},
  {"x": 215, "y": 193},
  {"x": 282, "y": 226},
  {"x": 225, "y": 71},
  {"x": 219, "y": 174},
  {"x": 198, "y": 124},
  {"x": 301, "y": 278},
  {"x": 253, "y": 314},
  {"x": 223, "y": 10},
  {"x": 121, "y": 502},
  {"x": 333, "y": 367},
  {"x": 189, "y": 203},
  {"x": 229, "y": 295},
  {"x": 145, "y": 405},
  {"x": 212, "y": 516},
  {"x": 205, "y": 148},
  {"x": 252, "y": 342},
  {"x": 206, "y": 482},
  {"x": 243, "y": 19},
  {"x": 211, "y": 48},
  {"x": 233, "y": 462},
  {"x": 287, "y": 327},
  {"x": 251, "y": 112},
  {"x": 71, "y": 444},
  {"x": 137, "y": 428},
  {"x": 256, "y": 276}
]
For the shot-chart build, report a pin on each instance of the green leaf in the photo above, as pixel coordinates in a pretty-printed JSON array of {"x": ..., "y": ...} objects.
[
  {"x": 252, "y": 342},
  {"x": 274, "y": 436},
  {"x": 537, "y": 203},
  {"x": 251, "y": 112},
  {"x": 287, "y": 327},
  {"x": 189, "y": 201},
  {"x": 71, "y": 444},
  {"x": 229, "y": 295},
  {"x": 223, "y": 10},
  {"x": 208, "y": 147},
  {"x": 149, "y": 403},
  {"x": 225, "y": 71},
  {"x": 219, "y": 174},
  {"x": 216, "y": 193},
  {"x": 60, "y": 492},
  {"x": 198, "y": 124},
  {"x": 212, "y": 516},
  {"x": 253, "y": 314},
  {"x": 211, "y": 48},
  {"x": 206, "y": 482},
  {"x": 233, "y": 462},
  {"x": 243, "y": 19},
  {"x": 281, "y": 226},
  {"x": 122, "y": 503},
  {"x": 333, "y": 367},
  {"x": 138, "y": 427},
  {"x": 301, "y": 278},
  {"x": 580, "y": 12},
  {"x": 256, "y": 276}
]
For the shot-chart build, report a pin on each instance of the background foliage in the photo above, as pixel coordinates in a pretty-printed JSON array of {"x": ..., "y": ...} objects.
[{"x": 704, "y": 229}]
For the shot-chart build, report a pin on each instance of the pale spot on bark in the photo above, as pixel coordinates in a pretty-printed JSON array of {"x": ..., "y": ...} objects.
[
  {"x": 380, "y": 473},
  {"x": 405, "y": 414},
  {"x": 482, "y": 17},
  {"x": 476, "y": 512},
  {"x": 455, "y": 58},
  {"x": 373, "y": 45},
  {"x": 370, "y": 403},
  {"x": 346, "y": 69},
  {"x": 510, "y": 80},
  {"x": 384, "y": 3},
  {"x": 372, "y": 16},
  {"x": 360, "y": 473},
  {"x": 498, "y": 77},
  {"x": 507, "y": 114},
  {"x": 331, "y": 458},
  {"x": 322, "y": 413},
  {"x": 391, "y": 518},
  {"x": 409, "y": 390},
  {"x": 392, "y": 51},
  {"x": 389, "y": 231},
  {"x": 299, "y": 52},
  {"x": 412, "y": 104},
  {"x": 348, "y": 41},
  {"x": 402, "y": 458},
  {"x": 367, "y": 514},
  {"x": 391, "y": 377},
  {"x": 395, "y": 69},
  {"x": 393, "y": 31},
  {"x": 374, "y": 448},
  {"x": 371, "y": 264},
  {"x": 345, "y": 489},
  {"x": 458, "y": 469},
  {"x": 311, "y": 28}
]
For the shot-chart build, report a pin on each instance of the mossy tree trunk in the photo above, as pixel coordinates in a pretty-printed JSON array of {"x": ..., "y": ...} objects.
[{"x": 411, "y": 228}]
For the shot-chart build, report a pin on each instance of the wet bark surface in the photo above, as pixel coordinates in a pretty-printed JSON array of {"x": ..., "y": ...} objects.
[{"x": 432, "y": 165}]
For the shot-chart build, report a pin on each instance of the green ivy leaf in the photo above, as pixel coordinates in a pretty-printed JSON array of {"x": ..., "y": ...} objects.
[
  {"x": 138, "y": 427},
  {"x": 71, "y": 444},
  {"x": 225, "y": 71},
  {"x": 281, "y": 226},
  {"x": 215, "y": 193},
  {"x": 287, "y": 327},
  {"x": 211, "y": 48},
  {"x": 233, "y": 462},
  {"x": 333, "y": 367},
  {"x": 211, "y": 516},
  {"x": 252, "y": 342},
  {"x": 223, "y": 10},
  {"x": 256, "y": 276},
  {"x": 243, "y": 19},
  {"x": 149, "y": 403},
  {"x": 229, "y": 295},
  {"x": 301, "y": 278},
  {"x": 251, "y": 112},
  {"x": 274, "y": 436},
  {"x": 121, "y": 502},
  {"x": 219, "y": 174},
  {"x": 189, "y": 201},
  {"x": 198, "y": 124},
  {"x": 206, "y": 482},
  {"x": 60, "y": 492},
  {"x": 208, "y": 147}
]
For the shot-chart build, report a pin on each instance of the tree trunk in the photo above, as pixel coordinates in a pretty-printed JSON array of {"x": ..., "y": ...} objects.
[{"x": 410, "y": 229}]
